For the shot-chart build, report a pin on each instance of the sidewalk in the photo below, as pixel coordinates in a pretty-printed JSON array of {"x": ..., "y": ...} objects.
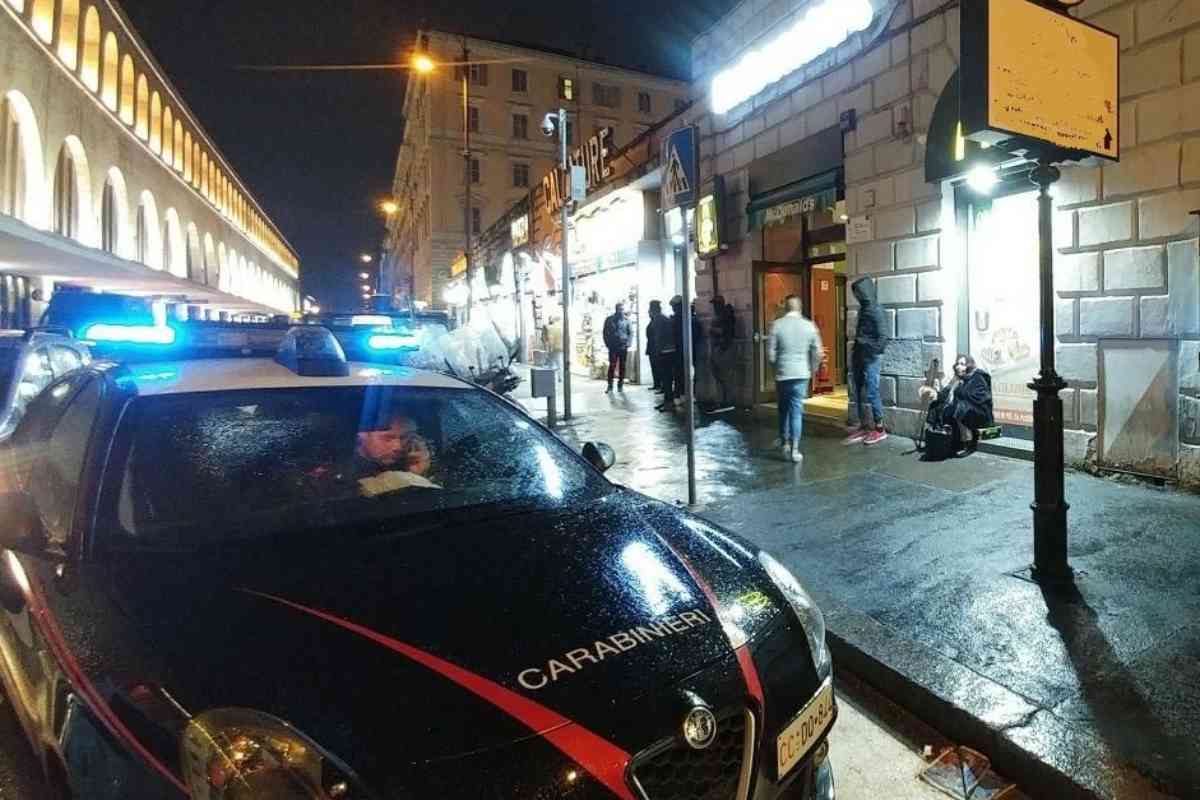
[{"x": 919, "y": 569}]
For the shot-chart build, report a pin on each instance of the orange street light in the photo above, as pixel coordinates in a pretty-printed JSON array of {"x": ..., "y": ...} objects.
[
  {"x": 389, "y": 207},
  {"x": 422, "y": 64}
]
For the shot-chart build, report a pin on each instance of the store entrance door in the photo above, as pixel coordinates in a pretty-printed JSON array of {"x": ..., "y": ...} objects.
[
  {"x": 828, "y": 313},
  {"x": 773, "y": 282}
]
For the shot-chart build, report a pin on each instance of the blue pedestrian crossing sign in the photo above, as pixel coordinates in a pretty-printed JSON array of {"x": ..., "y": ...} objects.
[{"x": 679, "y": 182}]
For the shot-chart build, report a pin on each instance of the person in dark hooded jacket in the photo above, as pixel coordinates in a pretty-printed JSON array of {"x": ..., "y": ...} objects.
[
  {"x": 866, "y": 358},
  {"x": 966, "y": 402}
]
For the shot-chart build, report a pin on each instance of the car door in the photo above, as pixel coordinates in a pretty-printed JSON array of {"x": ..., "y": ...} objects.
[{"x": 46, "y": 460}]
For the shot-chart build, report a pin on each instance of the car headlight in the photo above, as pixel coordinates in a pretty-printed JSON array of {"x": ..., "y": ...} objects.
[
  {"x": 810, "y": 616},
  {"x": 238, "y": 754}
]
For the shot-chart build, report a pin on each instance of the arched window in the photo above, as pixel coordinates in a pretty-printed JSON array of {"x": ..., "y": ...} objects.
[
  {"x": 127, "y": 90},
  {"x": 149, "y": 236},
  {"x": 114, "y": 211},
  {"x": 211, "y": 265},
  {"x": 204, "y": 177},
  {"x": 68, "y": 32},
  {"x": 143, "y": 108},
  {"x": 66, "y": 195},
  {"x": 178, "y": 161},
  {"x": 168, "y": 145},
  {"x": 156, "y": 123},
  {"x": 112, "y": 58},
  {"x": 22, "y": 189},
  {"x": 174, "y": 246},
  {"x": 43, "y": 19},
  {"x": 195, "y": 258},
  {"x": 72, "y": 192},
  {"x": 187, "y": 156},
  {"x": 90, "y": 68}
]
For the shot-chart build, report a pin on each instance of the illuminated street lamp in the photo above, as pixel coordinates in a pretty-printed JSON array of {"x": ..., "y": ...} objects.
[
  {"x": 389, "y": 207},
  {"x": 364, "y": 275},
  {"x": 366, "y": 259},
  {"x": 366, "y": 287},
  {"x": 422, "y": 64}
]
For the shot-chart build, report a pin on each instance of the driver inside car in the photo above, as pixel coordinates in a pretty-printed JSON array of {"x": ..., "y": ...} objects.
[{"x": 389, "y": 458}]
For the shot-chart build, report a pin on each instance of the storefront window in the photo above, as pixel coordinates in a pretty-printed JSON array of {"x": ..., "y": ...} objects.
[{"x": 1003, "y": 323}]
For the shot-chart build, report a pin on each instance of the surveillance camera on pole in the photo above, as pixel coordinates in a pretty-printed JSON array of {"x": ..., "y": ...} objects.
[{"x": 550, "y": 125}]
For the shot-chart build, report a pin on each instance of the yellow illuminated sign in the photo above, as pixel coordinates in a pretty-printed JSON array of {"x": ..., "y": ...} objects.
[
  {"x": 1052, "y": 78},
  {"x": 459, "y": 266},
  {"x": 708, "y": 240}
]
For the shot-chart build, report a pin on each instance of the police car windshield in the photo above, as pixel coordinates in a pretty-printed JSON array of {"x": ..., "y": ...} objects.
[{"x": 202, "y": 469}]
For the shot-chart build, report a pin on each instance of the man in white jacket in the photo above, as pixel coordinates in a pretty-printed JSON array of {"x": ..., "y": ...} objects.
[{"x": 794, "y": 350}]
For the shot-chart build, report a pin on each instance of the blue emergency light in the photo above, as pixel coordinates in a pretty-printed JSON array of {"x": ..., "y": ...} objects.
[
  {"x": 130, "y": 334},
  {"x": 393, "y": 342}
]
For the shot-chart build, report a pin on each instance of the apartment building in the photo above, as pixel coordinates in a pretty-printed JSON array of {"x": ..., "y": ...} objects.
[{"x": 510, "y": 89}]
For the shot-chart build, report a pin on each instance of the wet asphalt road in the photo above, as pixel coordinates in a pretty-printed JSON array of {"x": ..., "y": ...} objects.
[{"x": 20, "y": 774}]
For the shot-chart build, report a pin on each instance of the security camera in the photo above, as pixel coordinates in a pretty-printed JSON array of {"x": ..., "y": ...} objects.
[{"x": 550, "y": 124}]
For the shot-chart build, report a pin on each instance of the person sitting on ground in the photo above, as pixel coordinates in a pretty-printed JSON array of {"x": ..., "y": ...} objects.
[{"x": 966, "y": 402}]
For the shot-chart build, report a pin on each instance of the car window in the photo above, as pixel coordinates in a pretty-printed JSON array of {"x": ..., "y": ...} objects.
[
  {"x": 49, "y": 447},
  {"x": 208, "y": 468},
  {"x": 64, "y": 360}
]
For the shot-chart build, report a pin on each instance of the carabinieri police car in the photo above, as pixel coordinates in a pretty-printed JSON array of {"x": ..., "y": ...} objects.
[{"x": 303, "y": 578}]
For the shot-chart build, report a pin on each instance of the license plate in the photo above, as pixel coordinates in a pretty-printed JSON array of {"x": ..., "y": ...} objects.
[{"x": 803, "y": 732}]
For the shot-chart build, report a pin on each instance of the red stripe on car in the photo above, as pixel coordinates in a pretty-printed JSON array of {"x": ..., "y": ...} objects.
[
  {"x": 605, "y": 761},
  {"x": 40, "y": 611},
  {"x": 745, "y": 661}
]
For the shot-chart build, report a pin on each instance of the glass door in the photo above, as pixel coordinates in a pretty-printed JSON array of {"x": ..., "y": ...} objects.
[
  {"x": 1003, "y": 322},
  {"x": 772, "y": 284}
]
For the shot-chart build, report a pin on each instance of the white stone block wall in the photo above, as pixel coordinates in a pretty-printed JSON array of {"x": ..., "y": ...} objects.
[{"x": 1127, "y": 257}]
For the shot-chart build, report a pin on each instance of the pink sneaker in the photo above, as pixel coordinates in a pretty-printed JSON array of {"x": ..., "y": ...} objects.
[
  {"x": 855, "y": 435},
  {"x": 875, "y": 437}
]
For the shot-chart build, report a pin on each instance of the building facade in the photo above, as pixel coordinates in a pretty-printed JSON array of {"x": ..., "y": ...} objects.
[
  {"x": 848, "y": 165},
  {"x": 511, "y": 90},
  {"x": 108, "y": 181}
]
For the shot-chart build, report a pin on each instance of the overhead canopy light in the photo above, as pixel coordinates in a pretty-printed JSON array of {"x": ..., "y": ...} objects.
[{"x": 825, "y": 26}]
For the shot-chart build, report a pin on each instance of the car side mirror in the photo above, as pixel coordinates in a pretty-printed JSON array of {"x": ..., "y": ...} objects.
[
  {"x": 599, "y": 455},
  {"x": 21, "y": 526}
]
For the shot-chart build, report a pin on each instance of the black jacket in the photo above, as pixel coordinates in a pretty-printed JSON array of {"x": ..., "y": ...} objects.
[
  {"x": 658, "y": 334},
  {"x": 870, "y": 338},
  {"x": 618, "y": 332},
  {"x": 973, "y": 400}
]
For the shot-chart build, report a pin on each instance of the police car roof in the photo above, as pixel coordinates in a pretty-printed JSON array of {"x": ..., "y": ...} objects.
[{"x": 233, "y": 374}]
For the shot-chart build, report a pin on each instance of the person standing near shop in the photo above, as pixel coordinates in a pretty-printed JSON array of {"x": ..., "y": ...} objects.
[
  {"x": 793, "y": 348},
  {"x": 866, "y": 358},
  {"x": 618, "y": 333},
  {"x": 658, "y": 333},
  {"x": 721, "y": 353}
]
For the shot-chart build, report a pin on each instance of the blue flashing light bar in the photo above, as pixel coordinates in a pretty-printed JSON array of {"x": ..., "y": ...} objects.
[
  {"x": 130, "y": 334},
  {"x": 393, "y": 341},
  {"x": 371, "y": 319}
]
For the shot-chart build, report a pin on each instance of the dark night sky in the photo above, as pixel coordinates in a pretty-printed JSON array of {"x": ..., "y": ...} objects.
[{"x": 318, "y": 149}]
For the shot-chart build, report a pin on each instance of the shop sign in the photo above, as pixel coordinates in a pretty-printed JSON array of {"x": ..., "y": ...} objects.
[
  {"x": 777, "y": 215},
  {"x": 592, "y": 156},
  {"x": 709, "y": 238},
  {"x": 458, "y": 267},
  {"x": 1036, "y": 74},
  {"x": 825, "y": 26},
  {"x": 519, "y": 230}
]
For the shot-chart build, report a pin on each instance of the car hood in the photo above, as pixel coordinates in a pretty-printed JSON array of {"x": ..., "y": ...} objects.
[{"x": 418, "y": 648}]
